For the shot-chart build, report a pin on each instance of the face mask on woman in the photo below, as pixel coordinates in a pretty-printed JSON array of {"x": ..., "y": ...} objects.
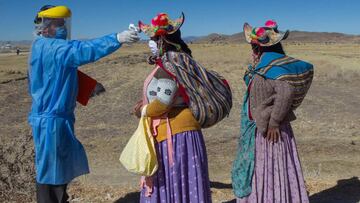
[{"x": 153, "y": 47}]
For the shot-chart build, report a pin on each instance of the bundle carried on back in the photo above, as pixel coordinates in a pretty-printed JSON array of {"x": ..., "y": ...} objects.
[
  {"x": 208, "y": 93},
  {"x": 281, "y": 67}
]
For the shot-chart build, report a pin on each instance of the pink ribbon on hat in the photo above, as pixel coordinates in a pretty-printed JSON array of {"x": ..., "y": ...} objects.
[
  {"x": 260, "y": 32},
  {"x": 271, "y": 24}
]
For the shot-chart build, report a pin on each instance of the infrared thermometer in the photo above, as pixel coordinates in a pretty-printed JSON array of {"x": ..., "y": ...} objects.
[{"x": 132, "y": 27}]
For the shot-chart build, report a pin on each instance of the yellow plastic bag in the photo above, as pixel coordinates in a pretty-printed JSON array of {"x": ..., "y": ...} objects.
[{"x": 139, "y": 155}]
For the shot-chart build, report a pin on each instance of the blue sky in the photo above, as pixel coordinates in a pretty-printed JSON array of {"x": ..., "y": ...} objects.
[{"x": 95, "y": 18}]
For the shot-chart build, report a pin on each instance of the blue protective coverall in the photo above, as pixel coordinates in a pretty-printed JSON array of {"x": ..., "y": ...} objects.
[{"x": 53, "y": 86}]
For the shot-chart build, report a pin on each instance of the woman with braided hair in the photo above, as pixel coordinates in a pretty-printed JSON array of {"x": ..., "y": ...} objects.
[
  {"x": 182, "y": 175},
  {"x": 267, "y": 167}
]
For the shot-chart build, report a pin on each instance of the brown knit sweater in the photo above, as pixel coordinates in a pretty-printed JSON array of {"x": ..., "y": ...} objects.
[{"x": 270, "y": 103}]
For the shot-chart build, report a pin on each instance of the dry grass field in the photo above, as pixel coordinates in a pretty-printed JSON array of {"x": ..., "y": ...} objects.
[{"x": 327, "y": 129}]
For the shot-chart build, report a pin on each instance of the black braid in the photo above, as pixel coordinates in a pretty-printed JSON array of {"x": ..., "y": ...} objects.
[{"x": 176, "y": 38}]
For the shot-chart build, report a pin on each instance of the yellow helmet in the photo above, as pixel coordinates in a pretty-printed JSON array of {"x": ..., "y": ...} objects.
[
  {"x": 51, "y": 18},
  {"x": 55, "y": 12}
]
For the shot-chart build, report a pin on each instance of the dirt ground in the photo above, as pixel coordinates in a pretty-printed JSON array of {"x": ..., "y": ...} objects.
[{"x": 327, "y": 129}]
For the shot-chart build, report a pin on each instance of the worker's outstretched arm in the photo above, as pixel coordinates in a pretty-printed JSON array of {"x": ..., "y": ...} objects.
[{"x": 83, "y": 52}]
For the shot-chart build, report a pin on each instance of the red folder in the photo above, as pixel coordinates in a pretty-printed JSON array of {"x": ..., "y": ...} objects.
[{"x": 86, "y": 87}]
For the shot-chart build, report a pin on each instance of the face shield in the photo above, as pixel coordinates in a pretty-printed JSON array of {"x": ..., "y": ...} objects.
[
  {"x": 59, "y": 28},
  {"x": 54, "y": 22}
]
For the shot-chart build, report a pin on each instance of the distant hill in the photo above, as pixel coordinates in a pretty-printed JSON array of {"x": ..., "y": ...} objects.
[
  {"x": 294, "y": 37},
  {"x": 191, "y": 38},
  {"x": 17, "y": 43}
]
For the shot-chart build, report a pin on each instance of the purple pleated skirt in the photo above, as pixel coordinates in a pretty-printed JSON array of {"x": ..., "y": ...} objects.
[
  {"x": 188, "y": 179},
  {"x": 277, "y": 175}
]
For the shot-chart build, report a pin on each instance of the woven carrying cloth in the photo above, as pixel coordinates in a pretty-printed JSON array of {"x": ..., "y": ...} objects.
[
  {"x": 209, "y": 94},
  {"x": 281, "y": 67},
  {"x": 243, "y": 166}
]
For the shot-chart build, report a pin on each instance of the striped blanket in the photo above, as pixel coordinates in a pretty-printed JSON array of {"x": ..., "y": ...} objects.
[{"x": 208, "y": 94}]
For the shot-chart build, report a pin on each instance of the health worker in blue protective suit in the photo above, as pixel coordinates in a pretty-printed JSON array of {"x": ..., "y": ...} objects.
[{"x": 53, "y": 86}]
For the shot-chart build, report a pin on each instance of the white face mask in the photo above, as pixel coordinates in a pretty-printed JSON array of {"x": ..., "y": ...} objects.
[{"x": 153, "y": 47}]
